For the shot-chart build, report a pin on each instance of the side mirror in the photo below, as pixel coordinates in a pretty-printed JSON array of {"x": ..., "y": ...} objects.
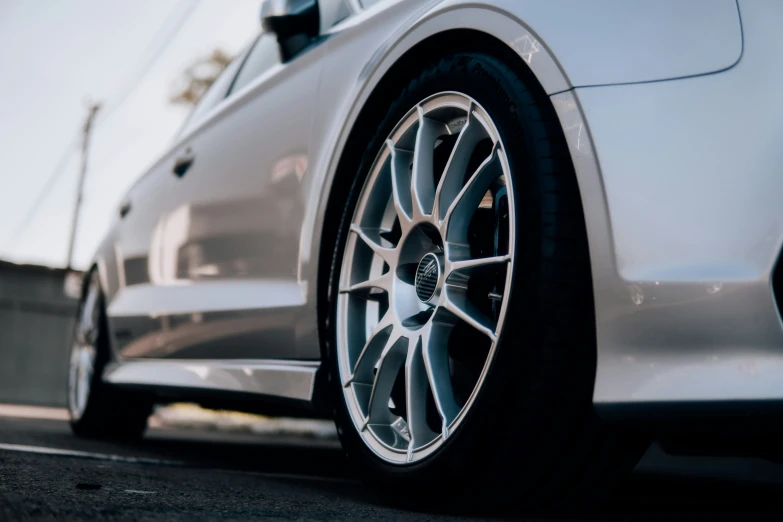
[{"x": 295, "y": 22}]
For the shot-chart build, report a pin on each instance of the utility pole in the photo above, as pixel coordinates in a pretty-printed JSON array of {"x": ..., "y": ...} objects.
[{"x": 93, "y": 108}]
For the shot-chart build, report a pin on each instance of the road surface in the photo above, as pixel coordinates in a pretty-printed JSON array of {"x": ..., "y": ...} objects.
[{"x": 48, "y": 474}]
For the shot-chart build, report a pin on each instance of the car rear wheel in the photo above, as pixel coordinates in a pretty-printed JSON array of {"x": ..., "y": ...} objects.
[
  {"x": 96, "y": 409},
  {"x": 461, "y": 337}
]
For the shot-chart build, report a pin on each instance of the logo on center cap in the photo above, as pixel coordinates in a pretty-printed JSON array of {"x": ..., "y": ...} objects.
[{"x": 427, "y": 276}]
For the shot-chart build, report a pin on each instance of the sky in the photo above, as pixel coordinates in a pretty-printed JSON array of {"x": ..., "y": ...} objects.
[{"x": 59, "y": 56}]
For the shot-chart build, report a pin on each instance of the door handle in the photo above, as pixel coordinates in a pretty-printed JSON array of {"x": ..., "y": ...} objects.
[
  {"x": 182, "y": 164},
  {"x": 125, "y": 207}
]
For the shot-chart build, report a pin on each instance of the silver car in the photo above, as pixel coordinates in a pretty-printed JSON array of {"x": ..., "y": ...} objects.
[{"x": 492, "y": 239}]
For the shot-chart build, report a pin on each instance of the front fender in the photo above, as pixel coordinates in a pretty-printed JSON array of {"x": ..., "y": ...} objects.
[
  {"x": 566, "y": 43},
  {"x": 608, "y": 42}
]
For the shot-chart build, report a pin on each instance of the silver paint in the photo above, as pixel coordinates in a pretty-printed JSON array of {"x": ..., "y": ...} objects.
[
  {"x": 682, "y": 187},
  {"x": 679, "y": 180},
  {"x": 286, "y": 379}
]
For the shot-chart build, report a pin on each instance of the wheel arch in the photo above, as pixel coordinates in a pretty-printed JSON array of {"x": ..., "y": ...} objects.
[
  {"x": 393, "y": 78},
  {"x": 373, "y": 110},
  {"x": 104, "y": 264},
  {"x": 422, "y": 41}
]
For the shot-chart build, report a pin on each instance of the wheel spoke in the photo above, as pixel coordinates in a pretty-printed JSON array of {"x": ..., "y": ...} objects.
[
  {"x": 371, "y": 352},
  {"x": 391, "y": 360},
  {"x": 84, "y": 375},
  {"x": 382, "y": 282},
  {"x": 88, "y": 320},
  {"x": 436, "y": 363},
  {"x": 460, "y": 212},
  {"x": 468, "y": 265},
  {"x": 401, "y": 181},
  {"x": 459, "y": 272},
  {"x": 81, "y": 394},
  {"x": 416, "y": 385},
  {"x": 91, "y": 335},
  {"x": 422, "y": 178},
  {"x": 454, "y": 173},
  {"x": 457, "y": 303},
  {"x": 88, "y": 354},
  {"x": 386, "y": 253}
]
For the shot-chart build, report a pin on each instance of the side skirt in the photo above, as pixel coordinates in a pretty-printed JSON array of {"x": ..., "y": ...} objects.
[{"x": 280, "y": 379}]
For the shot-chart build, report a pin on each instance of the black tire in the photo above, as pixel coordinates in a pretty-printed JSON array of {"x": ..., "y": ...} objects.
[
  {"x": 111, "y": 413},
  {"x": 552, "y": 446}
]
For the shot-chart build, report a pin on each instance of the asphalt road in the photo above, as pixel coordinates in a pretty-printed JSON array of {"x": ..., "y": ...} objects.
[{"x": 192, "y": 475}]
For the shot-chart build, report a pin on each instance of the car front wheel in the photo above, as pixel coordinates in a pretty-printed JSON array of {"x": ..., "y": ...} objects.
[{"x": 461, "y": 337}]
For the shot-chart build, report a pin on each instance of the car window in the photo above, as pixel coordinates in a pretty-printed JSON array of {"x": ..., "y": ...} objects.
[
  {"x": 335, "y": 11},
  {"x": 264, "y": 55},
  {"x": 213, "y": 95}
]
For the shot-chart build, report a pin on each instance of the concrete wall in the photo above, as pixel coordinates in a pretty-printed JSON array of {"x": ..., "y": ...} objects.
[{"x": 36, "y": 325}]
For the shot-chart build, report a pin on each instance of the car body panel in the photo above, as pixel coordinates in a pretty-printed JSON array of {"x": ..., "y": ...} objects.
[
  {"x": 605, "y": 42},
  {"x": 683, "y": 312},
  {"x": 683, "y": 256},
  {"x": 217, "y": 272},
  {"x": 292, "y": 380},
  {"x": 399, "y": 26},
  {"x": 130, "y": 249}
]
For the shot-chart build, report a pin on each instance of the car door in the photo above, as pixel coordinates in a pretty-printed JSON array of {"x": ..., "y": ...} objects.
[
  {"x": 227, "y": 241},
  {"x": 139, "y": 286},
  {"x": 130, "y": 256}
]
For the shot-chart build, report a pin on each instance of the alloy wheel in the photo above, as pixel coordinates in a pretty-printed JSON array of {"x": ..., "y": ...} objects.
[
  {"x": 84, "y": 352},
  {"x": 425, "y": 278}
]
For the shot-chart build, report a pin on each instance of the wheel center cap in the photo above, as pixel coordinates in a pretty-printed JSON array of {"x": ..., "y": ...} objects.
[{"x": 427, "y": 277}]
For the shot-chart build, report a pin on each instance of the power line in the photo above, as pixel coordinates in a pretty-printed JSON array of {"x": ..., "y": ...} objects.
[
  {"x": 50, "y": 181},
  {"x": 154, "y": 52},
  {"x": 167, "y": 31}
]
